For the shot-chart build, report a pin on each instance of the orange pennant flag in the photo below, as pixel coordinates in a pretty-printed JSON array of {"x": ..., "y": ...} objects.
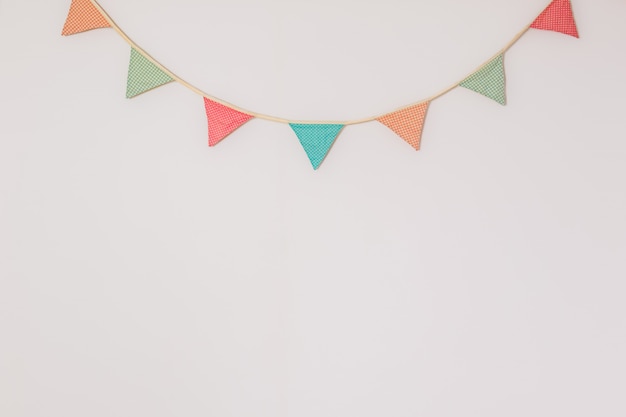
[
  {"x": 408, "y": 123},
  {"x": 83, "y": 16}
]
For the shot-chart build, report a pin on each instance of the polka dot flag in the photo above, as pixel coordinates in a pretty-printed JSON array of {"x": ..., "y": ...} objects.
[
  {"x": 557, "y": 17},
  {"x": 83, "y": 16},
  {"x": 316, "y": 139},
  {"x": 143, "y": 75},
  {"x": 489, "y": 81}
]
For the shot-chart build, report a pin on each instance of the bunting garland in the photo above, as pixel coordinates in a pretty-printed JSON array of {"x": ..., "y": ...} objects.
[{"x": 316, "y": 138}]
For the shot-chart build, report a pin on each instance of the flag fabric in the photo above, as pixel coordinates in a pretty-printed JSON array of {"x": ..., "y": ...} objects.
[
  {"x": 143, "y": 75},
  {"x": 316, "y": 139},
  {"x": 557, "y": 17},
  {"x": 408, "y": 123},
  {"x": 83, "y": 16},
  {"x": 490, "y": 80},
  {"x": 222, "y": 120}
]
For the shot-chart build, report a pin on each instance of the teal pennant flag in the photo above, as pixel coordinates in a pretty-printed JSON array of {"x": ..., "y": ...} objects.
[{"x": 316, "y": 139}]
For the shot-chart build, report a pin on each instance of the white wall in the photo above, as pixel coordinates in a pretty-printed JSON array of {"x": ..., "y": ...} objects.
[{"x": 144, "y": 274}]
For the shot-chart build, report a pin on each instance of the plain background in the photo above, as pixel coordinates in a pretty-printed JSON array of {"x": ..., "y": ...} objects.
[{"x": 144, "y": 274}]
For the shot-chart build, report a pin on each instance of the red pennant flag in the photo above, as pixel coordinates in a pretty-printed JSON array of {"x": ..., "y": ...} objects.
[
  {"x": 83, "y": 16},
  {"x": 407, "y": 123},
  {"x": 222, "y": 120},
  {"x": 557, "y": 17}
]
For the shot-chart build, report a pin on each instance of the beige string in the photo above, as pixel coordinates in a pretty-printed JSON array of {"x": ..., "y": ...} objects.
[{"x": 279, "y": 119}]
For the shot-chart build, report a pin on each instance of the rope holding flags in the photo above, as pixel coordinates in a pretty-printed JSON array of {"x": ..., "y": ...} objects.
[{"x": 316, "y": 137}]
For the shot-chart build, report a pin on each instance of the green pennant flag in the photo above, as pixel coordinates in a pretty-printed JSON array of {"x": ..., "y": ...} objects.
[
  {"x": 316, "y": 139},
  {"x": 489, "y": 81},
  {"x": 143, "y": 75}
]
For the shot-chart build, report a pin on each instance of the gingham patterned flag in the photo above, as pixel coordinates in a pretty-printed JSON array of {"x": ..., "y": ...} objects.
[
  {"x": 222, "y": 120},
  {"x": 316, "y": 140},
  {"x": 143, "y": 75},
  {"x": 489, "y": 81},
  {"x": 557, "y": 17},
  {"x": 408, "y": 123},
  {"x": 83, "y": 16}
]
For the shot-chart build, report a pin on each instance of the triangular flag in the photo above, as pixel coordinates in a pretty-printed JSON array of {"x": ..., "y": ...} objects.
[
  {"x": 408, "y": 123},
  {"x": 83, "y": 16},
  {"x": 489, "y": 81},
  {"x": 557, "y": 17},
  {"x": 223, "y": 120},
  {"x": 143, "y": 75},
  {"x": 316, "y": 139}
]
